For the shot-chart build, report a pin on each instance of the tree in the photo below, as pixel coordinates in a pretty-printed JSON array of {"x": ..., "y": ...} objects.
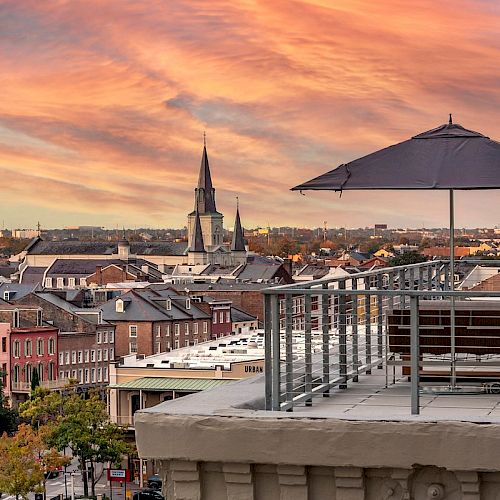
[
  {"x": 21, "y": 473},
  {"x": 81, "y": 423},
  {"x": 407, "y": 258},
  {"x": 35, "y": 380},
  {"x": 8, "y": 416}
]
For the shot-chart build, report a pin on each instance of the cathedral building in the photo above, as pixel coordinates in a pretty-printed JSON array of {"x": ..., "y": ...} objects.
[{"x": 205, "y": 226}]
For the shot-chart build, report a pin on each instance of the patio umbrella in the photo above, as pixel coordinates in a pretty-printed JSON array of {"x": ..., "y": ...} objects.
[{"x": 448, "y": 157}]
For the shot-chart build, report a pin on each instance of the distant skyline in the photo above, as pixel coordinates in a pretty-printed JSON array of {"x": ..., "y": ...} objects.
[{"x": 104, "y": 105}]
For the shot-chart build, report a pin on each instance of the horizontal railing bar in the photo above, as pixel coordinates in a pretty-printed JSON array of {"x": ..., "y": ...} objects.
[{"x": 389, "y": 293}]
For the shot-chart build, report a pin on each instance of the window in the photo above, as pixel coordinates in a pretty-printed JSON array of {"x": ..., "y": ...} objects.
[
  {"x": 48, "y": 282},
  {"x": 39, "y": 317},
  {"x": 167, "y": 333},
  {"x": 80, "y": 375},
  {"x": 111, "y": 337},
  {"x": 60, "y": 282},
  {"x": 39, "y": 347},
  {"x": 71, "y": 282},
  {"x": 52, "y": 371},
  {"x": 132, "y": 348},
  {"x": 169, "y": 304},
  {"x": 215, "y": 317},
  {"x": 177, "y": 344},
  {"x": 186, "y": 328},
  {"x": 73, "y": 374},
  {"x": 104, "y": 337},
  {"x": 16, "y": 349},
  {"x": 99, "y": 355},
  {"x": 4, "y": 344},
  {"x": 99, "y": 375},
  {"x": 132, "y": 331},
  {"x": 228, "y": 317},
  {"x": 105, "y": 373},
  {"x": 158, "y": 347},
  {"x": 86, "y": 355},
  {"x": 27, "y": 373},
  {"x": 168, "y": 345},
  {"x": 73, "y": 357},
  {"x": 92, "y": 355},
  {"x": 195, "y": 328},
  {"x": 61, "y": 375},
  {"x": 80, "y": 356},
  {"x": 105, "y": 354},
  {"x": 40, "y": 371},
  {"x": 98, "y": 337},
  {"x": 119, "y": 306},
  {"x": 83, "y": 282},
  {"x": 28, "y": 348},
  {"x": 177, "y": 329},
  {"x": 6, "y": 295},
  {"x": 188, "y": 304},
  {"x": 93, "y": 375},
  {"x": 66, "y": 357},
  {"x": 87, "y": 375},
  {"x": 186, "y": 343},
  {"x": 205, "y": 327},
  {"x": 111, "y": 354},
  {"x": 158, "y": 331},
  {"x": 52, "y": 346}
]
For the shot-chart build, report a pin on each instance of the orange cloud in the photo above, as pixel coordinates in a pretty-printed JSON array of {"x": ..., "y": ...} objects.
[{"x": 104, "y": 104}]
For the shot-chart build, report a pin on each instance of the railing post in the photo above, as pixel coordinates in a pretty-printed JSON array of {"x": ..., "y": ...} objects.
[
  {"x": 307, "y": 346},
  {"x": 326, "y": 338},
  {"x": 420, "y": 278},
  {"x": 415, "y": 355},
  {"x": 268, "y": 366},
  {"x": 354, "y": 326},
  {"x": 412, "y": 278},
  {"x": 276, "y": 373},
  {"x": 380, "y": 338},
  {"x": 391, "y": 287},
  {"x": 402, "y": 286},
  {"x": 430, "y": 272},
  {"x": 446, "y": 276},
  {"x": 288, "y": 351},
  {"x": 342, "y": 336},
  {"x": 368, "y": 332}
]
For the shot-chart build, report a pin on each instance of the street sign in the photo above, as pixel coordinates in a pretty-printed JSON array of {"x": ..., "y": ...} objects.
[{"x": 119, "y": 475}]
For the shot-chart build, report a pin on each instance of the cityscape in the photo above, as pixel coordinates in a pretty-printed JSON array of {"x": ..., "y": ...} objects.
[{"x": 247, "y": 252}]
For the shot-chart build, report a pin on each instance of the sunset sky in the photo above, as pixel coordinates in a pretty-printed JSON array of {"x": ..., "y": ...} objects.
[{"x": 104, "y": 104}]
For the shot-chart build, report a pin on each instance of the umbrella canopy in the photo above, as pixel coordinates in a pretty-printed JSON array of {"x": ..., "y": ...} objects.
[{"x": 447, "y": 157}]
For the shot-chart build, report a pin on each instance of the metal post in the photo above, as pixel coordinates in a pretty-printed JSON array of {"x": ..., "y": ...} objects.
[
  {"x": 420, "y": 278},
  {"x": 368, "y": 333},
  {"x": 65, "y": 480},
  {"x": 430, "y": 270},
  {"x": 354, "y": 323},
  {"x": 452, "y": 288},
  {"x": 288, "y": 351},
  {"x": 342, "y": 336},
  {"x": 380, "y": 340},
  {"x": 307, "y": 342},
  {"x": 391, "y": 287},
  {"x": 402, "y": 286},
  {"x": 276, "y": 371},
  {"x": 415, "y": 354},
  {"x": 267, "y": 351},
  {"x": 412, "y": 278},
  {"x": 326, "y": 338},
  {"x": 72, "y": 486}
]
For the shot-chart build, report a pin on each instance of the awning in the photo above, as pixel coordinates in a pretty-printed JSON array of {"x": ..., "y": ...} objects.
[{"x": 170, "y": 384}]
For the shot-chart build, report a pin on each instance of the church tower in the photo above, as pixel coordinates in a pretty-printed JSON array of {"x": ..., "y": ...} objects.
[
  {"x": 196, "y": 252},
  {"x": 205, "y": 209},
  {"x": 238, "y": 249}
]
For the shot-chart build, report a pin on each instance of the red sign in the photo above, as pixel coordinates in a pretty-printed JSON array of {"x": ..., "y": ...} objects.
[{"x": 121, "y": 475}]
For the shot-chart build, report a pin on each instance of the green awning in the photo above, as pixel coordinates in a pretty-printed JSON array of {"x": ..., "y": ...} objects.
[{"x": 171, "y": 384}]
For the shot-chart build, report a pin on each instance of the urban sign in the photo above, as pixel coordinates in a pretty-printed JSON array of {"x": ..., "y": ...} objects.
[{"x": 119, "y": 475}]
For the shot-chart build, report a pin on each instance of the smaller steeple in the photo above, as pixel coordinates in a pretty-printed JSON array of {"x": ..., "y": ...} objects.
[
  {"x": 238, "y": 243},
  {"x": 197, "y": 244}
]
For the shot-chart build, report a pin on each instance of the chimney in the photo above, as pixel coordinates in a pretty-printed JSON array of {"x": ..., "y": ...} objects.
[{"x": 98, "y": 275}]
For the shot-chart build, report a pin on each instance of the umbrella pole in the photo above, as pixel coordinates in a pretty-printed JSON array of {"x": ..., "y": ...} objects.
[{"x": 453, "y": 380}]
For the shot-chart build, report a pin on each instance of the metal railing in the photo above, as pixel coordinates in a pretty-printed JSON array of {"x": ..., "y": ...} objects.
[
  {"x": 324, "y": 335},
  {"x": 46, "y": 384}
]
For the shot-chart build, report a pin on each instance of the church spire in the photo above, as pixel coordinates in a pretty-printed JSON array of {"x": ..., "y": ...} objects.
[
  {"x": 238, "y": 243},
  {"x": 197, "y": 244},
  {"x": 205, "y": 192}
]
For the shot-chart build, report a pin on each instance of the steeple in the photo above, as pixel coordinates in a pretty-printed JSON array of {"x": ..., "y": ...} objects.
[
  {"x": 197, "y": 244},
  {"x": 205, "y": 193},
  {"x": 238, "y": 243}
]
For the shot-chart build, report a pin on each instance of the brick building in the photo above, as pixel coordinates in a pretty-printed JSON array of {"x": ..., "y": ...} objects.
[
  {"x": 149, "y": 322},
  {"x": 86, "y": 341}
]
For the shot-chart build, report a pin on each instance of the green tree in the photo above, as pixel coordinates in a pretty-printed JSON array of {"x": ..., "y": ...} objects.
[
  {"x": 81, "y": 424},
  {"x": 407, "y": 258},
  {"x": 21, "y": 473},
  {"x": 8, "y": 416},
  {"x": 35, "y": 380}
]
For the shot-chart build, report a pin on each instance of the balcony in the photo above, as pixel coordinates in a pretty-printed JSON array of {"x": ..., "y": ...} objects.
[
  {"x": 22, "y": 387},
  {"x": 367, "y": 394}
]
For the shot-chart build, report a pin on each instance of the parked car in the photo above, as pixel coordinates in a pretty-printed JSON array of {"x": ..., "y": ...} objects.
[
  {"x": 148, "y": 494},
  {"x": 154, "y": 482}
]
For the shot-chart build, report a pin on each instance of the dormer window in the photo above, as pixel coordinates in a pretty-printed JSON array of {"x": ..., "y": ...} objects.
[
  {"x": 119, "y": 306},
  {"x": 6, "y": 295},
  {"x": 169, "y": 304},
  {"x": 188, "y": 304}
]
